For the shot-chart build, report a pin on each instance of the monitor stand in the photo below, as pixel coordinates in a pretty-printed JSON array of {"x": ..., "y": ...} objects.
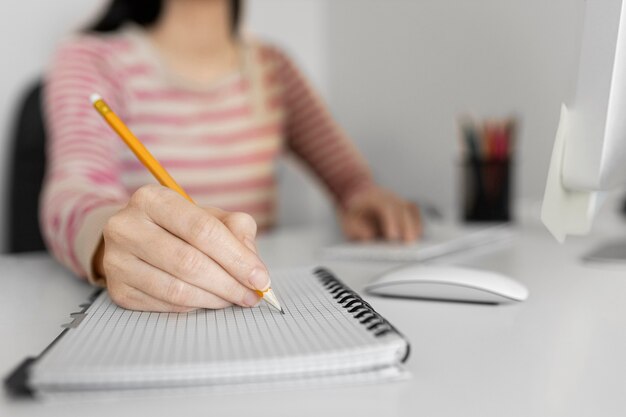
[
  {"x": 564, "y": 211},
  {"x": 610, "y": 253}
]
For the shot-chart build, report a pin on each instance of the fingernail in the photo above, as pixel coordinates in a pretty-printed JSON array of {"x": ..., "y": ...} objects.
[
  {"x": 259, "y": 279},
  {"x": 251, "y": 299}
]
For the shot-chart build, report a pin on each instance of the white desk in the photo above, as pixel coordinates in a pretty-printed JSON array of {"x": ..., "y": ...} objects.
[{"x": 561, "y": 353}]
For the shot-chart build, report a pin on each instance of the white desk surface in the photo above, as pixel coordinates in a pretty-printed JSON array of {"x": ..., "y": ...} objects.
[{"x": 560, "y": 353}]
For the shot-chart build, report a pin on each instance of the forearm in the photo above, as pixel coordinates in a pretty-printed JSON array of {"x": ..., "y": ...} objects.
[
  {"x": 82, "y": 188},
  {"x": 315, "y": 137},
  {"x": 72, "y": 220}
]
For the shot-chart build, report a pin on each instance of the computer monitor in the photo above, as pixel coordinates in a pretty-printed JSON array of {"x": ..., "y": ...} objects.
[{"x": 589, "y": 155}]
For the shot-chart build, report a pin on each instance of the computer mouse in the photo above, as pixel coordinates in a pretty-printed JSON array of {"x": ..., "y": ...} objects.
[{"x": 448, "y": 283}]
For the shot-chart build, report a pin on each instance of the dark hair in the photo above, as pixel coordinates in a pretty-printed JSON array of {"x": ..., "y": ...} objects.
[{"x": 144, "y": 13}]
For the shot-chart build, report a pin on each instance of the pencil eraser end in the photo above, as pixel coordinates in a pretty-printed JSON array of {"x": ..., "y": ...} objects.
[{"x": 95, "y": 97}]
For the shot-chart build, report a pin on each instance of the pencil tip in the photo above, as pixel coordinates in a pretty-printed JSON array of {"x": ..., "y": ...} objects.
[
  {"x": 282, "y": 311},
  {"x": 95, "y": 97}
]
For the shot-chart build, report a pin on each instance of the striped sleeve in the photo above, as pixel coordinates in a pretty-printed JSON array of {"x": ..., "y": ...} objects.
[
  {"x": 82, "y": 187},
  {"x": 314, "y": 136}
]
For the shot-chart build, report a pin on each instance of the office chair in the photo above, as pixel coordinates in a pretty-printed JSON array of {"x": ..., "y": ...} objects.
[{"x": 27, "y": 167}]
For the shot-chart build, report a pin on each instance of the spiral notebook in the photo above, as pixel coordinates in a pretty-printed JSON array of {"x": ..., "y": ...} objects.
[{"x": 328, "y": 333}]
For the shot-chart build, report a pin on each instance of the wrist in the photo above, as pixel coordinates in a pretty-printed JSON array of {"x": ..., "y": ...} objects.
[{"x": 97, "y": 264}]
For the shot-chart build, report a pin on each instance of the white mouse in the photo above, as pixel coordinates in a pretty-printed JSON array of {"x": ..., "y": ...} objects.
[{"x": 439, "y": 282}]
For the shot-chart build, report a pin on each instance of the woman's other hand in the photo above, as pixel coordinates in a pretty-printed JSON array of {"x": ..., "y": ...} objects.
[
  {"x": 378, "y": 213},
  {"x": 163, "y": 253}
]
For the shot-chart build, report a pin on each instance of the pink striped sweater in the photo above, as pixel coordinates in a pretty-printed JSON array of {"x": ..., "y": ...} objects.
[{"x": 219, "y": 141}]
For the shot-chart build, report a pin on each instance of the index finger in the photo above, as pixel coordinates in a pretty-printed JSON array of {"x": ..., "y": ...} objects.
[
  {"x": 417, "y": 217},
  {"x": 240, "y": 224},
  {"x": 205, "y": 232},
  {"x": 389, "y": 221}
]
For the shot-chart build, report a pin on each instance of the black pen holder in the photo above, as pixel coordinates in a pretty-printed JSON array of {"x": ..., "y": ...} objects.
[{"x": 486, "y": 190}]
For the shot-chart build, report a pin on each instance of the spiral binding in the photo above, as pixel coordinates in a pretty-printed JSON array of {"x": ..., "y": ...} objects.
[{"x": 350, "y": 300}]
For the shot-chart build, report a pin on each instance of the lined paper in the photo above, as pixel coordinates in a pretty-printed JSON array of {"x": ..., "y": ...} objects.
[{"x": 117, "y": 347}]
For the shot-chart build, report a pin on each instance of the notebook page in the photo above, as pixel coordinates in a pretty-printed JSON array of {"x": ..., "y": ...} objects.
[{"x": 114, "y": 344}]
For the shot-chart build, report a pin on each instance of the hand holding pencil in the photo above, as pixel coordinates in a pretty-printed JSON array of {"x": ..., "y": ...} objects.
[{"x": 163, "y": 253}]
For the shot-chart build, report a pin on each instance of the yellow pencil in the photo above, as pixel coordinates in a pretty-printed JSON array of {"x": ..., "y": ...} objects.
[{"x": 155, "y": 168}]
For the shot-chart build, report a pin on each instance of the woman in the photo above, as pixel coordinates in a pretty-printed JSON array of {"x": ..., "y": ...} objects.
[{"x": 216, "y": 110}]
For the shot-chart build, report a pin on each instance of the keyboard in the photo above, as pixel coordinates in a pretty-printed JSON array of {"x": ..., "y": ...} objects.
[{"x": 439, "y": 240}]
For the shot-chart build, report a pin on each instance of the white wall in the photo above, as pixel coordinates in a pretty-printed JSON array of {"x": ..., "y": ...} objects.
[{"x": 403, "y": 70}]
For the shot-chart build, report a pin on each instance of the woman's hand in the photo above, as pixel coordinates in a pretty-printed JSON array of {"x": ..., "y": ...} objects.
[
  {"x": 163, "y": 253},
  {"x": 379, "y": 213}
]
